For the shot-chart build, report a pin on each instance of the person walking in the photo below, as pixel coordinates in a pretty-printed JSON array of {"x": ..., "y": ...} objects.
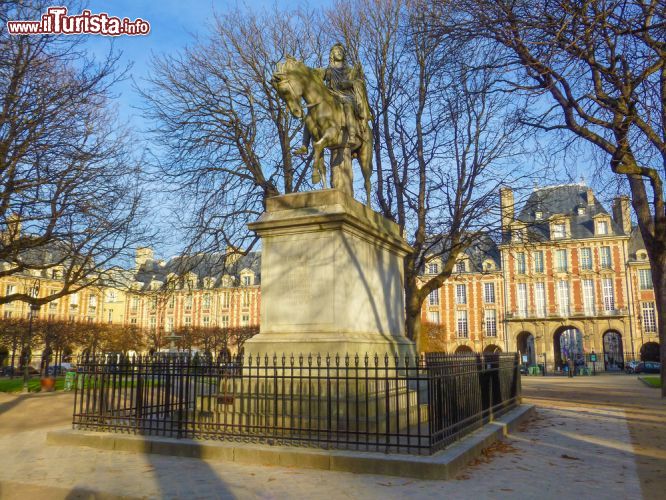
[{"x": 570, "y": 363}]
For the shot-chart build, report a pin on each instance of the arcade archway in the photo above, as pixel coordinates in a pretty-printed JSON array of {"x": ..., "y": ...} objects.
[
  {"x": 463, "y": 349},
  {"x": 525, "y": 343},
  {"x": 650, "y": 351},
  {"x": 613, "y": 352},
  {"x": 568, "y": 344},
  {"x": 492, "y": 349}
]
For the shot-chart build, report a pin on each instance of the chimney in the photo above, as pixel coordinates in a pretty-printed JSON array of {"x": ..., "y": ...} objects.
[
  {"x": 232, "y": 255},
  {"x": 622, "y": 213},
  {"x": 590, "y": 197},
  {"x": 143, "y": 254},
  {"x": 13, "y": 230},
  {"x": 506, "y": 208}
]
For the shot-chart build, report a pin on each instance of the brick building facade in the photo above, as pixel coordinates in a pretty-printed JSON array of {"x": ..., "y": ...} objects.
[{"x": 568, "y": 278}]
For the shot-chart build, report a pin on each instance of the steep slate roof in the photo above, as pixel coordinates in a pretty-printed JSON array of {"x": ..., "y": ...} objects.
[
  {"x": 204, "y": 265},
  {"x": 563, "y": 200},
  {"x": 636, "y": 242},
  {"x": 483, "y": 248}
]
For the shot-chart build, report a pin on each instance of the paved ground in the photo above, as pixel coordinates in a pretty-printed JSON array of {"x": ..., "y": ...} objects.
[{"x": 600, "y": 437}]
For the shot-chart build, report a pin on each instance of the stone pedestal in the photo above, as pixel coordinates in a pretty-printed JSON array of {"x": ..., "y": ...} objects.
[{"x": 331, "y": 278}]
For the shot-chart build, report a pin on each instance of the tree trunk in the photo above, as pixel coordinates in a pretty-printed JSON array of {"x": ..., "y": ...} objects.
[
  {"x": 413, "y": 314},
  {"x": 659, "y": 282}
]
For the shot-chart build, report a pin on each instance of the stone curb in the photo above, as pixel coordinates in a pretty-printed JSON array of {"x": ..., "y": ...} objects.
[
  {"x": 647, "y": 384},
  {"x": 442, "y": 465}
]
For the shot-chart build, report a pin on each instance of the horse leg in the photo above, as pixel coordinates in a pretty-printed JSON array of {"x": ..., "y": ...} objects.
[
  {"x": 327, "y": 139},
  {"x": 319, "y": 167}
]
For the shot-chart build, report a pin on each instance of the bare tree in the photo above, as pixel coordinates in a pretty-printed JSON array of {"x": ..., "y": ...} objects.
[
  {"x": 600, "y": 68},
  {"x": 69, "y": 186},
  {"x": 442, "y": 131},
  {"x": 445, "y": 136},
  {"x": 224, "y": 129}
]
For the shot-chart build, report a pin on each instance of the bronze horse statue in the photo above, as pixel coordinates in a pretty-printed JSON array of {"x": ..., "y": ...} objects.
[{"x": 325, "y": 121}]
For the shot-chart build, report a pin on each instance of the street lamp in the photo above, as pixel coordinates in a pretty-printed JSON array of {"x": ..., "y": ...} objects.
[{"x": 34, "y": 308}]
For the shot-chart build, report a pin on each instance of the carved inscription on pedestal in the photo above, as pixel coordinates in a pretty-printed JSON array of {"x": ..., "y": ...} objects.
[{"x": 301, "y": 282}]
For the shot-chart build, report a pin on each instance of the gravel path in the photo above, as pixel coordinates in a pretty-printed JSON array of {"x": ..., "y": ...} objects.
[{"x": 574, "y": 446}]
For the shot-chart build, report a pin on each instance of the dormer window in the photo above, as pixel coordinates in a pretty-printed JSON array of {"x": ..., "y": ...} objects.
[
  {"x": 642, "y": 255},
  {"x": 433, "y": 268},
  {"x": 559, "y": 230},
  {"x": 519, "y": 234},
  {"x": 581, "y": 210},
  {"x": 460, "y": 266},
  {"x": 602, "y": 227},
  {"x": 538, "y": 215},
  {"x": 488, "y": 265}
]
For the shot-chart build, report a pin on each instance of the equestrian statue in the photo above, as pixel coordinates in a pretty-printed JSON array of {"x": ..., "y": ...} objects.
[{"x": 337, "y": 116}]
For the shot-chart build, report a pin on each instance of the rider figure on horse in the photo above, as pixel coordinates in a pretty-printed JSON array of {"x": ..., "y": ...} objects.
[{"x": 347, "y": 84}]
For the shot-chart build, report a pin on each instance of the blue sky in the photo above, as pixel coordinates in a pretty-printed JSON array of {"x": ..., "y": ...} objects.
[{"x": 173, "y": 25}]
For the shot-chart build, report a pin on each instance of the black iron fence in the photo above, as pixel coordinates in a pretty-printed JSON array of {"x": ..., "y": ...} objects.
[{"x": 370, "y": 403}]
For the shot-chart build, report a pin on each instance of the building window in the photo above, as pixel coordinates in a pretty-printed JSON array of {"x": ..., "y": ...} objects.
[
  {"x": 433, "y": 298},
  {"x": 559, "y": 230},
  {"x": 172, "y": 302},
  {"x": 605, "y": 257},
  {"x": 588, "y": 297},
  {"x": 247, "y": 280},
  {"x": 110, "y": 316},
  {"x": 188, "y": 320},
  {"x": 645, "y": 279},
  {"x": 246, "y": 298},
  {"x": 602, "y": 227},
  {"x": 561, "y": 263},
  {"x": 608, "y": 294},
  {"x": 490, "y": 319},
  {"x": 10, "y": 289},
  {"x": 111, "y": 296},
  {"x": 53, "y": 305},
  {"x": 206, "y": 321},
  {"x": 460, "y": 266},
  {"x": 461, "y": 319},
  {"x": 649, "y": 317},
  {"x": 245, "y": 320},
  {"x": 206, "y": 301},
  {"x": 133, "y": 321},
  {"x": 7, "y": 314},
  {"x": 489, "y": 293},
  {"x": 169, "y": 325},
  {"x": 433, "y": 317},
  {"x": 521, "y": 267},
  {"x": 188, "y": 302},
  {"x": 153, "y": 303},
  {"x": 540, "y": 299},
  {"x": 461, "y": 294},
  {"x": 563, "y": 298},
  {"x": 92, "y": 302},
  {"x": 74, "y": 299},
  {"x": 433, "y": 268},
  {"x": 521, "y": 292},
  {"x": 226, "y": 299},
  {"x": 225, "y": 321},
  {"x": 538, "y": 261},
  {"x": 586, "y": 259},
  {"x": 153, "y": 323},
  {"x": 135, "y": 304}
]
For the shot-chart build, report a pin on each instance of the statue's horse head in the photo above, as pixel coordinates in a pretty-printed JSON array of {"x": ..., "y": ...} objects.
[{"x": 289, "y": 79}]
